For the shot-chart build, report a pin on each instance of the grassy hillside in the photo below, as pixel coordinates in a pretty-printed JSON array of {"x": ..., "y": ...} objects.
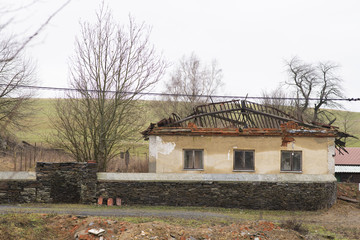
[
  {"x": 348, "y": 122},
  {"x": 40, "y": 128},
  {"x": 39, "y": 123}
]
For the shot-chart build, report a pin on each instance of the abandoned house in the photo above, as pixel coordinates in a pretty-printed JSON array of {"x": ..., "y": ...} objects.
[
  {"x": 235, "y": 154},
  {"x": 243, "y": 154},
  {"x": 242, "y": 137}
]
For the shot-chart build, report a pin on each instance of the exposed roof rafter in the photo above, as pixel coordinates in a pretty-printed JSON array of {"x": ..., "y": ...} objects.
[{"x": 242, "y": 115}]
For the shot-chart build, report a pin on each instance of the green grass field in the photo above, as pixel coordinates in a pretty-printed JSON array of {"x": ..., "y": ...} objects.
[
  {"x": 39, "y": 123},
  {"x": 348, "y": 122},
  {"x": 40, "y": 127}
]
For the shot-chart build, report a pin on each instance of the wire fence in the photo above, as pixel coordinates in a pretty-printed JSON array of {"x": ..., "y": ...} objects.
[
  {"x": 157, "y": 94},
  {"x": 23, "y": 157}
]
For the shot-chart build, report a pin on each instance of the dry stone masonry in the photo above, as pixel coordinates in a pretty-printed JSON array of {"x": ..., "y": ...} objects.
[
  {"x": 80, "y": 183},
  {"x": 259, "y": 195},
  {"x": 66, "y": 182}
]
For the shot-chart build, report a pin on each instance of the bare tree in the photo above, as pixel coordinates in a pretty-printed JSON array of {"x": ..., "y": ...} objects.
[
  {"x": 303, "y": 78},
  {"x": 18, "y": 46},
  {"x": 111, "y": 67},
  {"x": 191, "y": 83},
  {"x": 14, "y": 101},
  {"x": 276, "y": 98},
  {"x": 329, "y": 87},
  {"x": 318, "y": 83},
  {"x": 16, "y": 70}
]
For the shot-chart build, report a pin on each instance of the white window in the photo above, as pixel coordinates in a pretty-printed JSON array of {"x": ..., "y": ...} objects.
[
  {"x": 291, "y": 161},
  {"x": 193, "y": 159},
  {"x": 244, "y": 160}
]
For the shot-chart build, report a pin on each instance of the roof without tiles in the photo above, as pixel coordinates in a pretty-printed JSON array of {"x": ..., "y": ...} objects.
[{"x": 243, "y": 118}]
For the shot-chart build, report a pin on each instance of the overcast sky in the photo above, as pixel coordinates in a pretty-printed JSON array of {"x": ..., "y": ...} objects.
[{"x": 250, "y": 39}]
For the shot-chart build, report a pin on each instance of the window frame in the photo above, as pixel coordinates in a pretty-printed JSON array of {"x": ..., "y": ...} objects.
[
  {"x": 193, "y": 155},
  {"x": 291, "y": 161},
  {"x": 244, "y": 151}
]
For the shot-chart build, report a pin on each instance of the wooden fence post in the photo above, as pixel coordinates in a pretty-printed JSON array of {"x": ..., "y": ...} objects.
[
  {"x": 25, "y": 161},
  {"x": 30, "y": 158},
  {"x": 14, "y": 159},
  {"x": 35, "y": 155},
  {"x": 21, "y": 159}
]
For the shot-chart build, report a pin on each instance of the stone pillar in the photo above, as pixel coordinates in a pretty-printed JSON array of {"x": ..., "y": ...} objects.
[
  {"x": 89, "y": 183},
  {"x": 66, "y": 182},
  {"x": 43, "y": 178}
]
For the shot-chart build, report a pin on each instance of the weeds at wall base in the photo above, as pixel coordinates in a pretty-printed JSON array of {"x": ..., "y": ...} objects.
[{"x": 294, "y": 224}]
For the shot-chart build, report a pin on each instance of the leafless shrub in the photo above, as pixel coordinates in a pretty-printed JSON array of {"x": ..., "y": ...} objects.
[{"x": 294, "y": 224}]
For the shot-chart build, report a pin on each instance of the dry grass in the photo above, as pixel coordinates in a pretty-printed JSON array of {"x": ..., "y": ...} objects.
[
  {"x": 294, "y": 224},
  {"x": 25, "y": 226},
  {"x": 137, "y": 164},
  {"x": 25, "y": 159}
]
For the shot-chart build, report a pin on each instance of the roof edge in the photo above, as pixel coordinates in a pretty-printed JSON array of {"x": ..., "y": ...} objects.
[{"x": 193, "y": 131}]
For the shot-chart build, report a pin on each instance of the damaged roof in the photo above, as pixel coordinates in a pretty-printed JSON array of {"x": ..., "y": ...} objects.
[{"x": 242, "y": 117}]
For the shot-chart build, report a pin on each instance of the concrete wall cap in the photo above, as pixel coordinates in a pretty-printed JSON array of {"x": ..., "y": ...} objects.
[
  {"x": 17, "y": 176},
  {"x": 286, "y": 177}
]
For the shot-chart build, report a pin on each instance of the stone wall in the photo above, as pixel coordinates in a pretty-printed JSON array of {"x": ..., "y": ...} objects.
[
  {"x": 18, "y": 191},
  {"x": 79, "y": 183},
  {"x": 52, "y": 183},
  {"x": 66, "y": 182},
  {"x": 257, "y": 195}
]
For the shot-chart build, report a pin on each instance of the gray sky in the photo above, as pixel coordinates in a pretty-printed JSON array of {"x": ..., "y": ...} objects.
[{"x": 250, "y": 39}]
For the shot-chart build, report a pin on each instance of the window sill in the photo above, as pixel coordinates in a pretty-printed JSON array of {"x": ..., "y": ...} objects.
[
  {"x": 290, "y": 171},
  {"x": 193, "y": 169},
  {"x": 243, "y": 170}
]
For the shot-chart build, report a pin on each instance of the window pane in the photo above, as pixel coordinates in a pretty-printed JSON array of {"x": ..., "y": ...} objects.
[
  {"x": 188, "y": 159},
  {"x": 249, "y": 160},
  {"x": 285, "y": 161},
  {"x": 291, "y": 161},
  {"x": 238, "y": 160},
  {"x": 296, "y": 158},
  {"x": 243, "y": 160},
  {"x": 193, "y": 159},
  {"x": 198, "y": 160}
]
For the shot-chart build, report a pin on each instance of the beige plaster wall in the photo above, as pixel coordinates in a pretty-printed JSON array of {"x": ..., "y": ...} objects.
[{"x": 166, "y": 153}]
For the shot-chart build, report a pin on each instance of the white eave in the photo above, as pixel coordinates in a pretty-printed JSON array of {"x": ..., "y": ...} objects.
[{"x": 347, "y": 169}]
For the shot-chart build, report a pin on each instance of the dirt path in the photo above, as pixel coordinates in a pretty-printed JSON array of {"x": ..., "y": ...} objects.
[
  {"x": 109, "y": 211},
  {"x": 342, "y": 213},
  {"x": 341, "y": 221}
]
